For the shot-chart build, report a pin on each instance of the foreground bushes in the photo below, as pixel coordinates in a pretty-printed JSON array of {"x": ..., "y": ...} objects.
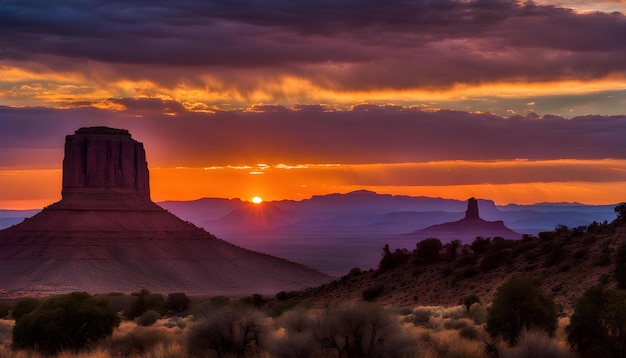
[
  {"x": 66, "y": 322},
  {"x": 519, "y": 305},
  {"x": 598, "y": 325}
]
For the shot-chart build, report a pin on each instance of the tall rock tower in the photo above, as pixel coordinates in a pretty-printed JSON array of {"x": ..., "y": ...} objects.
[
  {"x": 106, "y": 235},
  {"x": 472, "y": 209}
]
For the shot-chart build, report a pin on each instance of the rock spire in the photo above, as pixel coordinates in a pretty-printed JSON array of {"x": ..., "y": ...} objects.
[{"x": 472, "y": 209}]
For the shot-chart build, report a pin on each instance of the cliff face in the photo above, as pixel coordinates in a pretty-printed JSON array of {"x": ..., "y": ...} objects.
[
  {"x": 104, "y": 159},
  {"x": 106, "y": 235}
]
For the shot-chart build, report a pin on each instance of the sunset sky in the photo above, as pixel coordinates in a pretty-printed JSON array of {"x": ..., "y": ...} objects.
[{"x": 518, "y": 102}]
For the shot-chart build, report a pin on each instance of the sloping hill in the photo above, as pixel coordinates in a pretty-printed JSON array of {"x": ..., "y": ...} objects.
[{"x": 564, "y": 262}]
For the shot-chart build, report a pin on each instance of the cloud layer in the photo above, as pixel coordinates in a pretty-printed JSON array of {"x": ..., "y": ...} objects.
[{"x": 236, "y": 53}]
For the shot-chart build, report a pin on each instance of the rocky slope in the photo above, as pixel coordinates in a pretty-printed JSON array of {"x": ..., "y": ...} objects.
[{"x": 565, "y": 262}]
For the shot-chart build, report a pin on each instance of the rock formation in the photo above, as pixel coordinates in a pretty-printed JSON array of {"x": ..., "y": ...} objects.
[
  {"x": 107, "y": 235},
  {"x": 472, "y": 209},
  {"x": 468, "y": 228}
]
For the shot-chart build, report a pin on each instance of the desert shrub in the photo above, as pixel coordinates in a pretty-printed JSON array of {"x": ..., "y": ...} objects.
[
  {"x": 66, "y": 322},
  {"x": 519, "y": 304},
  {"x": 421, "y": 316},
  {"x": 370, "y": 294},
  {"x": 177, "y": 301},
  {"x": 255, "y": 300},
  {"x": 451, "y": 323},
  {"x": 296, "y": 337},
  {"x": 480, "y": 245},
  {"x": 451, "y": 249},
  {"x": 598, "y": 324},
  {"x": 427, "y": 251},
  {"x": 146, "y": 301},
  {"x": 468, "y": 301},
  {"x": 25, "y": 306},
  {"x": 362, "y": 330},
  {"x": 138, "y": 341},
  {"x": 478, "y": 313},
  {"x": 5, "y": 333},
  {"x": 392, "y": 259},
  {"x": 620, "y": 210},
  {"x": 4, "y": 310},
  {"x": 227, "y": 330},
  {"x": 470, "y": 333},
  {"x": 536, "y": 344},
  {"x": 620, "y": 266},
  {"x": 148, "y": 318}
]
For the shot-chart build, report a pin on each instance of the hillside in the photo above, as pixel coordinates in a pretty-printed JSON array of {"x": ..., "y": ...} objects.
[{"x": 565, "y": 262}]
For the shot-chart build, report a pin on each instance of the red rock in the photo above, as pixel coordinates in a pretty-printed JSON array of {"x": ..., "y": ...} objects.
[{"x": 107, "y": 235}]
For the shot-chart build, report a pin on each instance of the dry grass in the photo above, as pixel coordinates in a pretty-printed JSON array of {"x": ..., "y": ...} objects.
[{"x": 449, "y": 332}]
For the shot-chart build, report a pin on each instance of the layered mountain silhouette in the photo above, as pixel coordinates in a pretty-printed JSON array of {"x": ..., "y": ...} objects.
[
  {"x": 468, "y": 228},
  {"x": 107, "y": 235}
]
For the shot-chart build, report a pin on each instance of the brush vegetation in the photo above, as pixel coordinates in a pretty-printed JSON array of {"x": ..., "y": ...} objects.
[{"x": 522, "y": 316}]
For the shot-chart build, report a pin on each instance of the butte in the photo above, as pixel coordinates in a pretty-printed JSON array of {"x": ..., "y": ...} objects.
[
  {"x": 106, "y": 235},
  {"x": 468, "y": 228}
]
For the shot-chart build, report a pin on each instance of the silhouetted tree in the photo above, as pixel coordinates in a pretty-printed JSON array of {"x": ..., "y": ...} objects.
[
  {"x": 468, "y": 301},
  {"x": 177, "y": 301},
  {"x": 25, "y": 306},
  {"x": 480, "y": 245},
  {"x": 520, "y": 304},
  {"x": 598, "y": 325},
  {"x": 392, "y": 259},
  {"x": 66, "y": 322},
  {"x": 427, "y": 251},
  {"x": 620, "y": 210},
  {"x": 451, "y": 249}
]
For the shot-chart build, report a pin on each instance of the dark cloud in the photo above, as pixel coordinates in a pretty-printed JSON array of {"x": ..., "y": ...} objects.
[
  {"x": 397, "y": 44},
  {"x": 312, "y": 134}
]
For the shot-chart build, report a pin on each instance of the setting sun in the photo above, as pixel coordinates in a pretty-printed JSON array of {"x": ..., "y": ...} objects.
[{"x": 257, "y": 200}]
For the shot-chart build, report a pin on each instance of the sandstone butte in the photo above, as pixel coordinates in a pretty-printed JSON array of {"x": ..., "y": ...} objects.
[
  {"x": 107, "y": 235},
  {"x": 468, "y": 228}
]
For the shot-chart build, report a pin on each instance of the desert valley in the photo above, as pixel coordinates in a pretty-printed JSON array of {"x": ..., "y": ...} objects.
[{"x": 435, "y": 276}]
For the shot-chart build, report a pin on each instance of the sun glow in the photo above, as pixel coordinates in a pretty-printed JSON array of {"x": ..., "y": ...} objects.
[{"x": 257, "y": 200}]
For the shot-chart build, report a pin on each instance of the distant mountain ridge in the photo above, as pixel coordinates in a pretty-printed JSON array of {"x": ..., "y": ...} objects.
[{"x": 336, "y": 232}]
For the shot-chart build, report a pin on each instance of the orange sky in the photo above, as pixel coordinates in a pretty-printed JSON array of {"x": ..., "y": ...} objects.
[
  {"x": 518, "y": 102},
  {"x": 492, "y": 180}
]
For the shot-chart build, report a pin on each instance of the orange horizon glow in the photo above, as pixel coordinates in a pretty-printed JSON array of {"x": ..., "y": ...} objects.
[{"x": 33, "y": 189}]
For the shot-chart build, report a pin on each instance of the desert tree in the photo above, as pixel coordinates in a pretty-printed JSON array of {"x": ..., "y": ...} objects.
[
  {"x": 468, "y": 301},
  {"x": 25, "y": 306},
  {"x": 620, "y": 210},
  {"x": 598, "y": 325},
  {"x": 520, "y": 304},
  {"x": 177, "y": 301},
  {"x": 427, "y": 251},
  {"x": 451, "y": 249},
  {"x": 66, "y": 322},
  {"x": 362, "y": 330},
  {"x": 227, "y": 330}
]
